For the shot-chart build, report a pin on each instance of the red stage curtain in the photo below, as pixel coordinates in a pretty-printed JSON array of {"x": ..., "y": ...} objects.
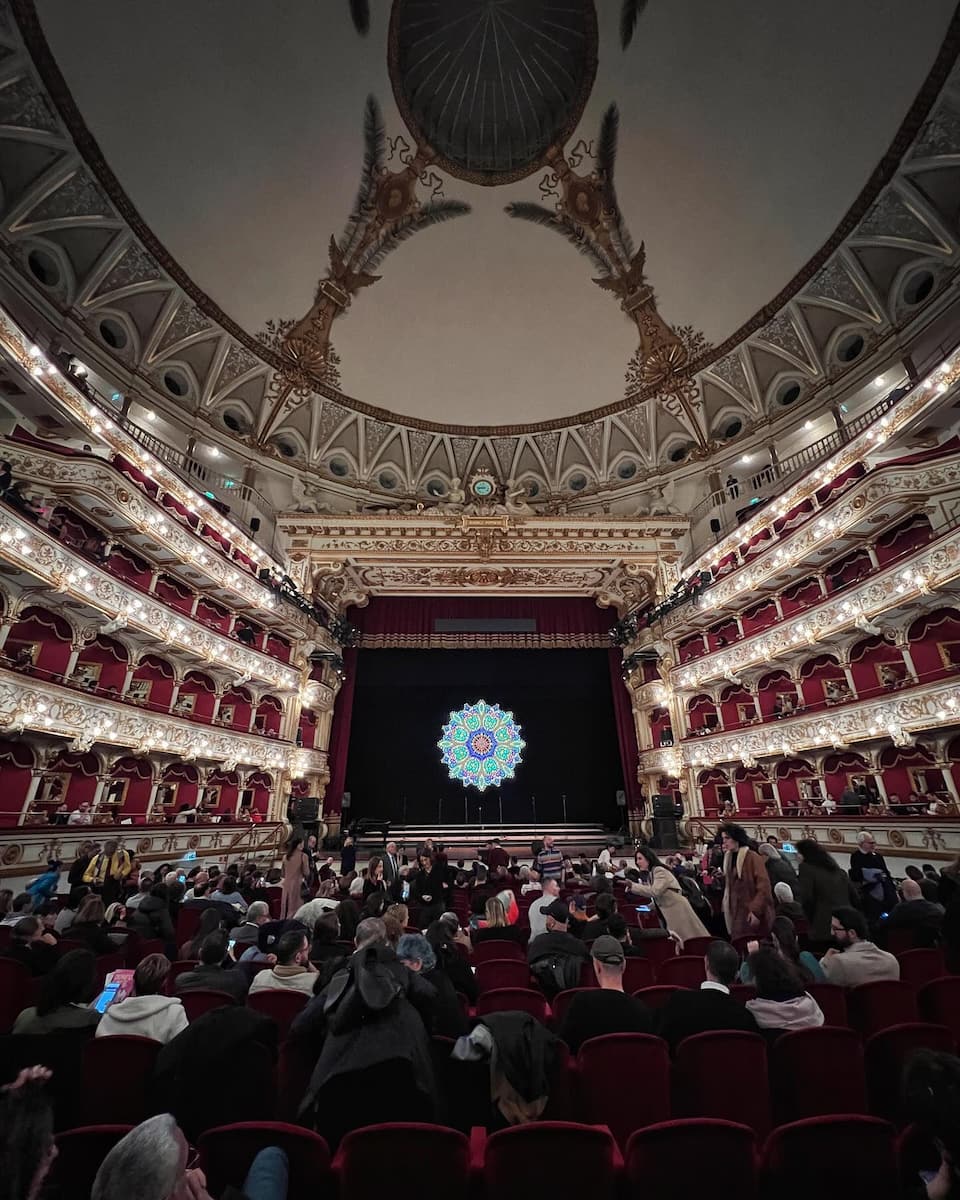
[
  {"x": 626, "y": 732},
  {"x": 340, "y": 734}
]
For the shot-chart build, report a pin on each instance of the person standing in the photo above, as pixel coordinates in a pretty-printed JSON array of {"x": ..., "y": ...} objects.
[
  {"x": 107, "y": 871},
  {"x": 661, "y": 886},
  {"x": 391, "y": 870},
  {"x": 868, "y": 870},
  {"x": 549, "y": 862},
  {"x": 747, "y": 895},
  {"x": 823, "y": 887},
  {"x": 296, "y": 872},
  {"x": 348, "y": 855}
]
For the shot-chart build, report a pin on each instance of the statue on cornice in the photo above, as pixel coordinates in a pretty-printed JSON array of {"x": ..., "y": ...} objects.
[
  {"x": 454, "y": 501},
  {"x": 516, "y": 500},
  {"x": 662, "y": 502}
]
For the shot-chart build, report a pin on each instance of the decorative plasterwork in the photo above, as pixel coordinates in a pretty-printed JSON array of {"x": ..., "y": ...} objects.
[
  {"x": 664, "y": 761},
  {"x": 896, "y": 716},
  {"x": 925, "y": 396},
  {"x": 907, "y": 838},
  {"x": 71, "y": 477},
  {"x": 30, "y": 704},
  {"x": 135, "y": 277},
  {"x": 862, "y": 503},
  {"x": 620, "y": 562},
  {"x": 29, "y": 549},
  {"x": 932, "y": 568}
]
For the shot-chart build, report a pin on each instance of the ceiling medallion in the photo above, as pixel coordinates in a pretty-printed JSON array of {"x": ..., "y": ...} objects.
[{"x": 491, "y": 85}]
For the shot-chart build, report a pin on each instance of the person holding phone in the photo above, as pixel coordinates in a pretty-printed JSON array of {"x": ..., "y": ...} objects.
[{"x": 659, "y": 885}]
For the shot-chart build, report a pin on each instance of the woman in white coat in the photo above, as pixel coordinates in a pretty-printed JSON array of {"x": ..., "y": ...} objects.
[{"x": 659, "y": 885}]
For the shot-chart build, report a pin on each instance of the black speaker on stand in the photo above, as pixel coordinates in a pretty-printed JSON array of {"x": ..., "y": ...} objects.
[{"x": 666, "y": 832}]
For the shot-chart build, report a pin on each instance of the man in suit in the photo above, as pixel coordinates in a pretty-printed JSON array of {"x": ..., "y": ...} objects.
[
  {"x": 712, "y": 1007},
  {"x": 391, "y": 870}
]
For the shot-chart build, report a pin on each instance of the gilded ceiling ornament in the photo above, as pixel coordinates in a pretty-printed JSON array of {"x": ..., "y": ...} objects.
[
  {"x": 588, "y": 215},
  {"x": 385, "y": 213}
]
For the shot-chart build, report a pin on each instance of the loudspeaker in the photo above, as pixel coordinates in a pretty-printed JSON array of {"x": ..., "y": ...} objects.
[
  {"x": 621, "y": 799},
  {"x": 345, "y": 802},
  {"x": 665, "y": 833},
  {"x": 714, "y": 524},
  {"x": 254, "y": 524},
  {"x": 663, "y": 806},
  {"x": 307, "y": 809}
]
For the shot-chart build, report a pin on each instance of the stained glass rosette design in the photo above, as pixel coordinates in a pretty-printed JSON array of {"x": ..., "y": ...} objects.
[{"x": 481, "y": 746}]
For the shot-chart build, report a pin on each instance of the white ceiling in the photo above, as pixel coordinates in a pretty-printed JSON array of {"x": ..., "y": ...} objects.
[{"x": 747, "y": 130}]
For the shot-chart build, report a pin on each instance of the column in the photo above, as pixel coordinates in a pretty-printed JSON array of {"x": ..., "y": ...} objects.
[
  {"x": 174, "y": 697},
  {"x": 948, "y": 783},
  {"x": 128, "y": 677},
  {"x": 912, "y": 676},
  {"x": 848, "y": 674},
  {"x": 232, "y": 625},
  {"x": 779, "y": 607},
  {"x": 98, "y": 793},
  {"x": 872, "y": 555},
  {"x": 152, "y": 585},
  {"x": 775, "y": 785},
  {"x": 5, "y": 632},
  {"x": 218, "y": 697},
  {"x": 823, "y": 585},
  {"x": 31, "y": 795},
  {"x": 72, "y": 661},
  {"x": 195, "y": 605},
  {"x": 151, "y": 800},
  {"x": 739, "y": 624},
  {"x": 881, "y": 787}
]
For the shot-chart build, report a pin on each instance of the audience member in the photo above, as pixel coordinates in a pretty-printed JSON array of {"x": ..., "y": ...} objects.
[
  {"x": 151, "y": 917},
  {"x": 229, "y": 893},
  {"x": 783, "y": 940},
  {"x": 89, "y": 927},
  {"x": 215, "y": 970},
  {"x": 258, "y": 914},
  {"x": 785, "y": 904},
  {"x": 27, "y": 1148},
  {"x": 747, "y": 894},
  {"x": 21, "y": 906},
  {"x": 150, "y": 1163},
  {"x": 607, "y": 1008},
  {"x": 660, "y": 885},
  {"x": 417, "y": 955},
  {"x": 293, "y": 969},
  {"x": 853, "y": 959},
  {"x": 144, "y": 887},
  {"x": 530, "y": 882},
  {"x": 923, "y": 918},
  {"x": 496, "y": 927},
  {"x": 65, "y": 995},
  {"x": 536, "y": 914},
  {"x": 45, "y": 886},
  {"x": 555, "y": 956},
  {"x": 782, "y": 1000},
  {"x": 32, "y": 946},
  {"x": 929, "y": 884},
  {"x": 147, "y": 1012},
  {"x": 712, "y": 1007},
  {"x": 107, "y": 871},
  {"x": 823, "y": 888},
  {"x": 445, "y": 935},
  {"x": 79, "y": 865},
  {"x": 778, "y": 868},
  {"x": 210, "y": 921},
  {"x": 930, "y": 1100},
  {"x": 869, "y": 872},
  {"x": 549, "y": 862},
  {"x": 370, "y": 1026}
]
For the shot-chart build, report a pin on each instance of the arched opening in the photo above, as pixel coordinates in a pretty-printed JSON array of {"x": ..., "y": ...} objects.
[
  {"x": 129, "y": 786},
  {"x": 39, "y": 643},
  {"x": 196, "y": 697},
  {"x": 877, "y": 667},
  {"x": 152, "y": 683},
  {"x": 823, "y": 683},
  {"x": 101, "y": 667},
  {"x": 934, "y": 641},
  {"x": 16, "y": 775},
  {"x": 268, "y": 717},
  {"x": 178, "y": 789},
  {"x": 236, "y": 710}
]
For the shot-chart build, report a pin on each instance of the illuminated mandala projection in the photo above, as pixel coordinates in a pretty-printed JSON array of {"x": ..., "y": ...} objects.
[{"x": 482, "y": 745}]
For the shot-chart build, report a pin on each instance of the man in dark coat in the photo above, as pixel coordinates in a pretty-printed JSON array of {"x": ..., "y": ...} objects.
[
  {"x": 712, "y": 1007},
  {"x": 370, "y": 1023},
  {"x": 211, "y": 973},
  {"x": 555, "y": 957}
]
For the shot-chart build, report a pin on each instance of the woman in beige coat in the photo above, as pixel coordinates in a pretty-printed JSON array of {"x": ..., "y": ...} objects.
[
  {"x": 296, "y": 872},
  {"x": 658, "y": 884}
]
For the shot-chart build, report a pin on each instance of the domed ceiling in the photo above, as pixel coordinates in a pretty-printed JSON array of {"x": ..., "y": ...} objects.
[{"x": 238, "y": 129}]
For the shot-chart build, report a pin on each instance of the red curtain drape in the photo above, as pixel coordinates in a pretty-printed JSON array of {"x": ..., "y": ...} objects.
[
  {"x": 626, "y": 731},
  {"x": 410, "y": 621},
  {"x": 340, "y": 734}
]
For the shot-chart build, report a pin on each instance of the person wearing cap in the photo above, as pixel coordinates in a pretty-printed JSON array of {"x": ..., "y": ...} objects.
[
  {"x": 555, "y": 956},
  {"x": 606, "y": 1008}
]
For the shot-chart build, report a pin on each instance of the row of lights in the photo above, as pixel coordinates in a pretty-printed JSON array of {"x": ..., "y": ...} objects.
[{"x": 937, "y": 381}]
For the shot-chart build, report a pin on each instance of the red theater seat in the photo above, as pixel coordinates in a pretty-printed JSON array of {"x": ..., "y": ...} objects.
[
  {"x": 918, "y": 967},
  {"x": 79, "y": 1155},
  {"x": 582, "y": 1159},
  {"x": 831, "y": 1158},
  {"x": 886, "y": 1053},
  {"x": 227, "y": 1151},
  {"x": 624, "y": 1082},
  {"x": 197, "y": 1001},
  {"x": 502, "y": 973},
  {"x": 815, "y": 1072},
  {"x": 116, "y": 1078},
  {"x": 657, "y": 996},
  {"x": 367, "y": 1160},
  {"x": 939, "y": 1002},
  {"x": 282, "y": 1005},
  {"x": 486, "y": 951},
  {"x": 833, "y": 1003},
  {"x": 562, "y": 1001},
  {"x": 687, "y": 970},
  {"x": 721, "y": 1073},
  {"x": 876, "y": 1006},
  {"x": 513, "y": 1000},
  {"x": 655, "y": 1160}
]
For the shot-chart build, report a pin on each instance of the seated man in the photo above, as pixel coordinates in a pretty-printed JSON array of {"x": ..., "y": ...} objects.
[
  {"x": 856, "y": 960},
  {"x": 556, "y": 955},
  {"x": 33, "y": 946},
  {"x": 212, "y": 973},
  {"x": 917, "y": 914},
  {"x": 607, "y": 1008},
  {"x": 247, "y": 934},
  {"x": 151, "y": 1163},
  {"x": 712, "y": 1007},
  {"x": 293, "y": 968}
]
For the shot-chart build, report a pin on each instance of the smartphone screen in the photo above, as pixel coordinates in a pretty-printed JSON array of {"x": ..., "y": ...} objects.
[
  {"x": 406, "y": 890},
  {"x": 643, "y": 908},
  {"x": 182, "y": 877},
  {"x": 231, "y": 944},
  {"x": 106, "y": 997}
]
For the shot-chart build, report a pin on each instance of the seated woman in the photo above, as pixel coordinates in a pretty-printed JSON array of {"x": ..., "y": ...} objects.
[
  {"x": 64, "y": 997},
  {"x": 783, "y": 939},
  {"x": 782, "y": 1000},
  {"x": 417, "y": 955},
  {"x": 89, "y": 927},
  {"x": 148, "y": 1012},
  {"x": 495, "y": 925}
]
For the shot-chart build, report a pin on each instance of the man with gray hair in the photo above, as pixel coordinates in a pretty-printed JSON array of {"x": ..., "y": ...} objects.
[
  {"x": 246, "y": 934},
  {"x": 370, "y": 932},
  {"x": 150, "y": 1163}
]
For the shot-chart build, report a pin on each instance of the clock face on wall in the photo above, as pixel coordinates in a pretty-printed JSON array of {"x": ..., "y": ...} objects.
[{"x": 482, "y": 486}]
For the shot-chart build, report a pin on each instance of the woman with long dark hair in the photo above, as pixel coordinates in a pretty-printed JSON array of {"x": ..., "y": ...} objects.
[
  {"x": 373, "y": 881},
  {"x": 824, "y": 886},
  {"x": 64, "y": 997},
  {"x": 783, "y": 939},
  {"x": 210, "y": 921},
  {"x": 296, "y": 872},
  {"x": 658, "y": 884},
  {"x": 782, "y": 1000}
]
